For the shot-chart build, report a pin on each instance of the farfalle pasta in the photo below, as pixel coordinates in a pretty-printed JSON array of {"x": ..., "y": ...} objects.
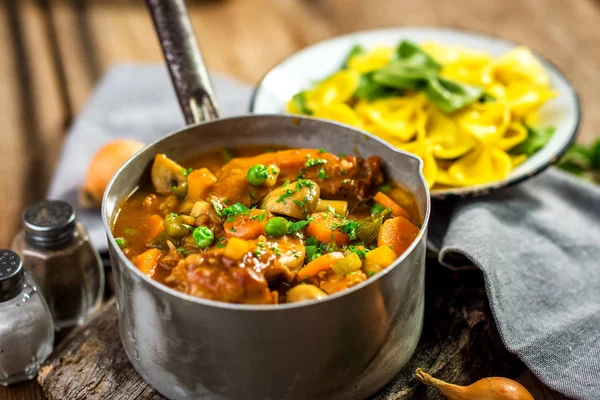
[{"x": 465, "y": 113}]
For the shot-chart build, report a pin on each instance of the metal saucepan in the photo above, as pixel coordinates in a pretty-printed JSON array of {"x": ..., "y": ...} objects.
[{"x": 344, "y": 347}]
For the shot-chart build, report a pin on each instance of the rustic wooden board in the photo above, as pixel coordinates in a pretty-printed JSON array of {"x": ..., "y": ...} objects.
[{"x": 460, "y": 343}]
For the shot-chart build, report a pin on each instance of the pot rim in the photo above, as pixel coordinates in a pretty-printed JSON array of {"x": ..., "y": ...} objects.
[{"x": 107, "y": 222}]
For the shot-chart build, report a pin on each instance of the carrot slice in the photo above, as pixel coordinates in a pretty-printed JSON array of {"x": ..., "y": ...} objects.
[
  {"x": 321, "y": 227},
  {"x": 398, "y": 233},
  {"x": 147, "y": 261},
  {"x": 154, "y": 224},
  {"x": 322, "y": 263},
  {"x": 249, "y": 226},
  {"x": 384, "y": 200}
]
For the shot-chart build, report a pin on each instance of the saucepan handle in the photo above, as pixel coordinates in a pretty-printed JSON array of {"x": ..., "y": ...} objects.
[{"x": 184, "y": 59}]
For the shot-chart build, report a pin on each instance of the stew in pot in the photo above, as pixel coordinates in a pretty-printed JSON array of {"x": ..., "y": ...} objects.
[{"x": 258, "y": 226}]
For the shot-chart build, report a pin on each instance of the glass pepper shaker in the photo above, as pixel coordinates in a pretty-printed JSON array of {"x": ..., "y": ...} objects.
[
  {"x": 26, "y": 328},
  {"x": 56, "y": 249}
]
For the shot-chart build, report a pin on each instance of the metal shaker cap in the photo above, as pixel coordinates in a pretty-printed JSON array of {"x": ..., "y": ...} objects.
[
  {"x": 11, "y": 274},
  {"x": 49, "y": 224}
]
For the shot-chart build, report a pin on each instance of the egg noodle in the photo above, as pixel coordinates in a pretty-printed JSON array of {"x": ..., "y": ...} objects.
[{"x": 467, "y": 115}]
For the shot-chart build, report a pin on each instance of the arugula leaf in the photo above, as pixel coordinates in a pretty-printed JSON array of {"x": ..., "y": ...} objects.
[
  {"x": 415, "y": 55},
  {"x": 354, "y": 51},
  {"x": 536, "y": 139},
  {"x": 369, "y": 89},
  {"x": 400, "y": 74},
  {"x": 450, "y": 96},
  {"x": 299, "y": 101}
]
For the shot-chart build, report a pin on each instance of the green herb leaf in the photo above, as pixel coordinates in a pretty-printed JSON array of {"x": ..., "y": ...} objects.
[
  {"x": 362, "y": 253},
  {"x": 299, "y": 101},
  {"x": 187, "y": 171},
  {"x": 220, "y": 243},
  {"x": 259, "y": 217},
  {"x": 450, "y": 96},
  {"x": 217, "y": 206},
  {"x": 349, "y": 227},
  {"x": 296, "y": 226},
  {"x": 377, "y": 209},
  {"x": 536, "y": 139},
  {"x": 410, "y": 51},
  {"x": 354, "y": 51},
  {"x": 322, "y": 174},
  {"x": 369, "y": 89},
  {"x": 233, "y": 211},
  {"x": 284, "y": 196},
  {"x": 311, "y": 241},
  {"x": 311, "y": 162}
]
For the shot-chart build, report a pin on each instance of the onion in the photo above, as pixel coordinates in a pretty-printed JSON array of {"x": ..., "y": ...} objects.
[
  {"x": 485, "y": 389},
  {"x": 103, "y": 166}
]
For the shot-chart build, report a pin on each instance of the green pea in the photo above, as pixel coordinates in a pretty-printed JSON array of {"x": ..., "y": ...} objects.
[
  {"x": 121, "y": 242},
  {"x": 257, "y": 175},
  {"x": 174, "y": 227},
  {"x": 276, "y": 227},
  {"x": 180, "y": 191},
  {"x": 203, "y": 237}
]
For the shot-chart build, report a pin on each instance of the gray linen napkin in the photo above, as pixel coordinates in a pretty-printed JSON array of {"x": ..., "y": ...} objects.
[{"x": 538, "y": 244}]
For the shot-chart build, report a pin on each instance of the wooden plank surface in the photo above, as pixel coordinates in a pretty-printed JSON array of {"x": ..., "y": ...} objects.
[{"x": 241, "y": 39}]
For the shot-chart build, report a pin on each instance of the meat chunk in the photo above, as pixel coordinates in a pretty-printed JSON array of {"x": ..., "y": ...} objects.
[
  {"x": 204, "y": 275},
  {"x": 213, "y": 276}
]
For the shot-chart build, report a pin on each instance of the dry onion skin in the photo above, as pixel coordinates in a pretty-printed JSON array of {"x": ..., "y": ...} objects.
[
  {"x": 494, "y": 388},
  {"x": 105, "y": 163},
  {"x": 471, "y": 117}
]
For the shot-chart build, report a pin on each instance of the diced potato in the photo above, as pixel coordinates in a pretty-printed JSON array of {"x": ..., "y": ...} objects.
[
  {"x": 236, "y": 249},
  {"x": 199, "y": 183},
  {"x": 382, "y": 256},
  {"x": 370, "y": 268},
  {"x": 186, "y": 219},
  {"x": 339, "y": 206},
  {"x": 200, "y": 207}
]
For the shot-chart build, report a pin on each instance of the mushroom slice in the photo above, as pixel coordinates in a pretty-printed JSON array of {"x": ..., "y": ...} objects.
[
  {"x": 296, "y": 200},
  {"x": 166, "y": 174}
]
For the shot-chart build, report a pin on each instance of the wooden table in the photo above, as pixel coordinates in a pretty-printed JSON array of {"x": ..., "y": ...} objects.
[{"x": 53, "y": 52}]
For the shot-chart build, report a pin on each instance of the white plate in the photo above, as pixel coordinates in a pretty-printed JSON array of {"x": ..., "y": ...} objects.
[{"x": 301, "y": 70}]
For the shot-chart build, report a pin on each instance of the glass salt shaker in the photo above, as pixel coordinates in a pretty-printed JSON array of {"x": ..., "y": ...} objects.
[
  {"x": 56, "y": 249},
  {"x": 26, "y": 328}
]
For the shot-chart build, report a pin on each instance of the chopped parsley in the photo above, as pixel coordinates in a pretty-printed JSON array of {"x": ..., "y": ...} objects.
[
  {"x": 233, "y": 211},
  {"x": 362, "y": 253},
  {"x": 256, "y": 252},
  {"x": 342, "y": 155},
  {"x": 220, "y": 243},
  {"x": 312, "y": 252},
  {"x": 259, "y": 217},
  {"x": 377, "y": 209},
  {"x": 311, "y": 162},
  {"x": 322, "y": 150},
  {"x": 217, "y": 206},
  {"x": 296, "y": 226},
  {"x": 284, "y": 196},
  {"x": 232, "y": 229},
  {"x": 276, "y": 251},
  {"x": 321, "y": 174},
  {"x": 181, "y": 250},
  {"x": 349, "y": 227},
  {"x": 251, "y": 194},
  {"x": 287, "y": 182},
  {"x": 311, "y": 241},
  {"x": 345, "y": 181},
  {"x": 129, "y": 231},
  {"x": 371, "y": 273},
  {"x": 304, "y": 183}
]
